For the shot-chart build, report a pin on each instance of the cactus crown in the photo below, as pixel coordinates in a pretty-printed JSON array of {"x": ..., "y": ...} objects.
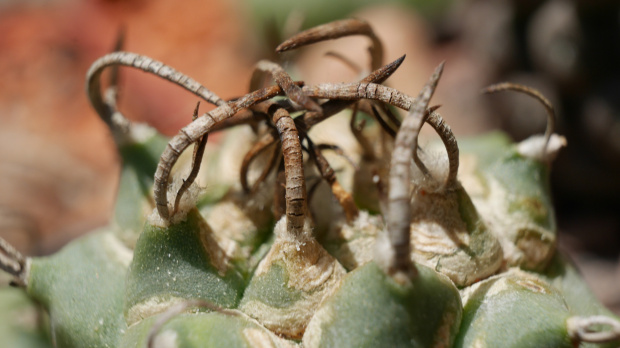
[{"x": 263, "y": 266}]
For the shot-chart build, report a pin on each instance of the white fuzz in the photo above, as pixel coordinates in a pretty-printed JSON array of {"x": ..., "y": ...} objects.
[
  {"x": 187, "y": 203},
  {"x": 534, "y": 147},
  {"x": 384, "y": 253},
  {"x": 166, "y": 339},
  {"x": 284, "y": 235}
]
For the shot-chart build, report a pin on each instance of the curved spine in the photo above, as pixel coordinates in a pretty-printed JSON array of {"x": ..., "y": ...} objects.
[
  {"x": 399, "y": 211},
  {"x": 296, "y": 205},
  {"x": 146, "y": 64},
  {"x": 447, "y": 137},
  {"x": 509, "y": 86},
  {"x": 335, "y": 30},
  {"x": 191, "y": 133}
]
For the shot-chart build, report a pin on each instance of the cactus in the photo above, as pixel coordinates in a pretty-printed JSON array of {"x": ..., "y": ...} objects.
[{"x": 404, "y": 250}]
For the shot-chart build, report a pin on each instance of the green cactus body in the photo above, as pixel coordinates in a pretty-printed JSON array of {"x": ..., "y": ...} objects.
[
  {"x": 514, "y": 309},
  {"x": 22, "y": 323},
  {"x": 134, "y": 201},
  {"x": 448, "y": 235},
  {"x": 482, "y": 150},
  {"x": 511, "y": 191},
  {"x": 370, "y": 309},
  {"x": 205, "y": 330},
  {"x": 579, "y": 298},
  {"x": 290, "y": 283},
  {"x": 577, "y": 294},
  {"x": 176, "y": 263},
  {"x": 83, "y": 289},
  {"x": 380, "y": 267}
]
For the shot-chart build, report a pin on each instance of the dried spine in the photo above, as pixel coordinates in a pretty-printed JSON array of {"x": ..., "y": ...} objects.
[
  {"x": 191, "y": 133},
  {"x": 588, "y": 329},
  {"x": 199, "y": 150},
  {"x": 368, "y": 152},
  {"x": 399, "y": 211},
  {"x": 296, "y": 205},
  {"x": 245, "y": 166},
  {"x": 327, "y": 173},
  {"x": 106, "y": 110},
  {"x": 447, "y": 137},
  {"x": 293, "y": 92},
  {"x": 311, "y": 118},
  {"x": 360, "y": 90},
  {"x": 335, "y": 30},
  {"x": 119, "y": 125},
  {"x": 508, "y": 86},
  {"x": 282, "y": 79},
  {"x": 311, "y": 271},
  {"x": 332, "y": 107},
  {"x": 14, "y": 263}
]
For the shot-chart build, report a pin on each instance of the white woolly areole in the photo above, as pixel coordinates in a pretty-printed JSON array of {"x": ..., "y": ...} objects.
[
  {"x": 384, "y": 253},
  {"x": 534, "y": 147},
  {"x": 166, "y": 339},
  {"x": 283, "y": 234},
  {"x": 187, "y": 203}
]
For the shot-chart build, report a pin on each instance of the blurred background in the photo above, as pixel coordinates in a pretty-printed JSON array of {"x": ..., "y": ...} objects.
[{"x": 58, "y": 168}]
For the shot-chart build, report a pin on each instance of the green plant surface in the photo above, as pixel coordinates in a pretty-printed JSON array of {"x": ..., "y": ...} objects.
[
  {"x": 176, "y": 263},
  {"x": 563, "y": 275},
  {"x": 514, "y": 309},
  {"x": 83, "y": 289},
  {"x": 512, "y": 194},
  {"x": 21, "y": 321},
  {"x": 370, "y": 309},
  {"x": 134, "y": 200},
  {"x": 200, "y": 329}
]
